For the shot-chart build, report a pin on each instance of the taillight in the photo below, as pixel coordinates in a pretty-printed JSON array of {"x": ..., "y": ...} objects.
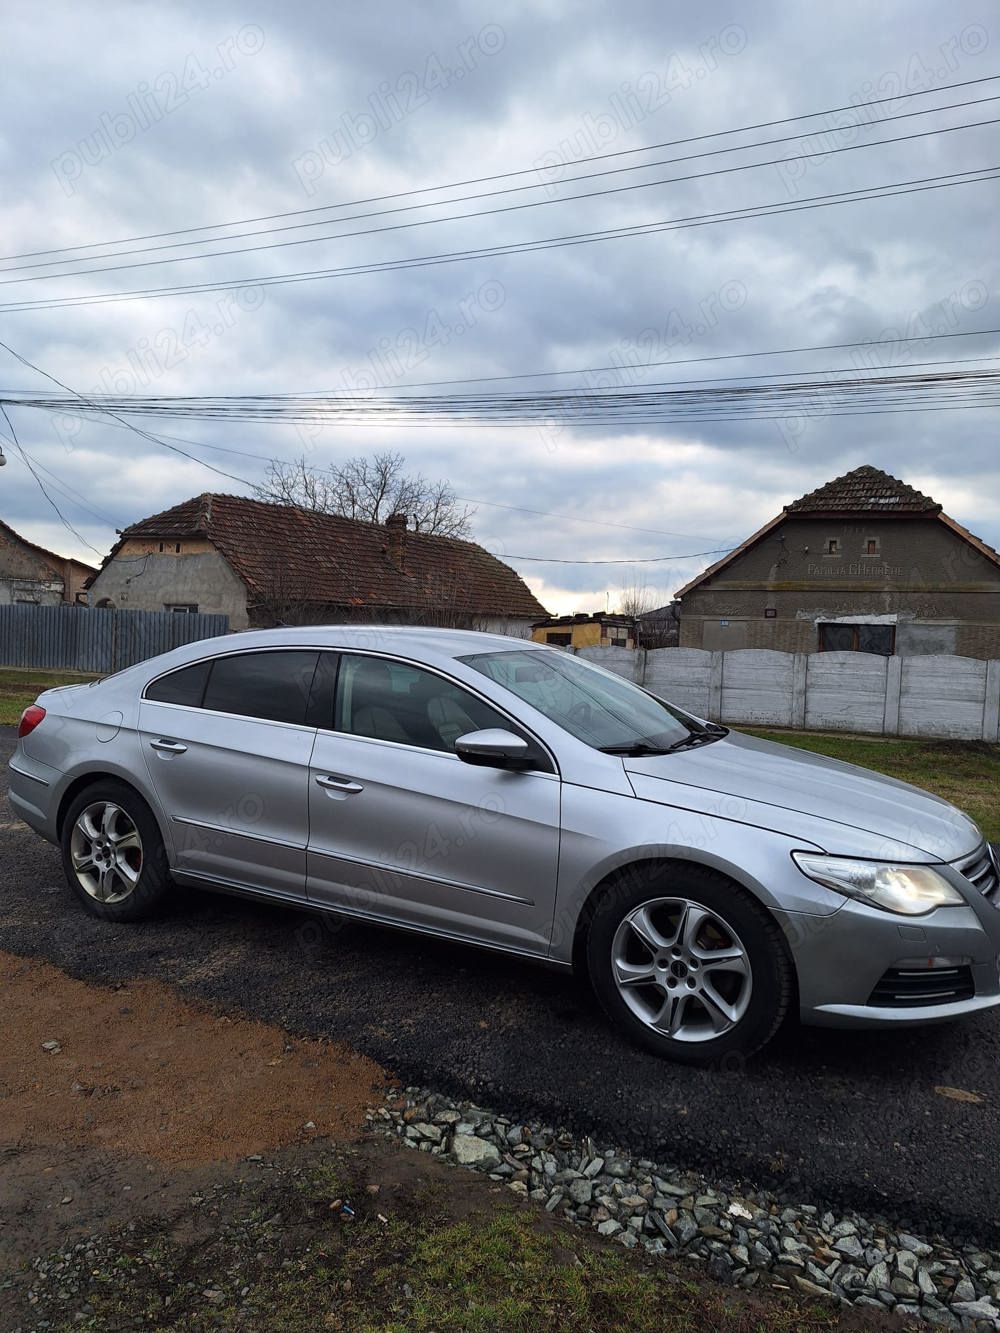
[{"x": 30, "y": 719}]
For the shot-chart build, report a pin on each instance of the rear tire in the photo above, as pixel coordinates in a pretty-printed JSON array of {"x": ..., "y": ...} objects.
[
  {"x": 113, "y": 854},
  {"x": 689, "y": 965}
]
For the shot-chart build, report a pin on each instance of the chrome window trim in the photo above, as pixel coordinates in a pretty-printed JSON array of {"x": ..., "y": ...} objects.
[
  {"x": 242, "y": 717},
  {"x": 460, "y": 684},
  {"x": 359, "y": 652},
  {"x": 406, "y": 748},
  {"x": 233, "y": 652},
  {"x": 389, "y": 869}
]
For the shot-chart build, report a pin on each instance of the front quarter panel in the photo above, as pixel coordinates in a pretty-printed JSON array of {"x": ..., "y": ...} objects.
[{"x": 603, "y": 832}]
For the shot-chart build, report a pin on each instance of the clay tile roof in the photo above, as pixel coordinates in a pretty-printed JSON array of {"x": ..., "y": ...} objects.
[
  {"x": 300, "y": 555},
  {"x": 867, "y": 490}
]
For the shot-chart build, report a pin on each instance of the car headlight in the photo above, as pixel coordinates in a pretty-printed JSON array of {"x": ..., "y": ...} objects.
[{"x": 908, "y": 890}]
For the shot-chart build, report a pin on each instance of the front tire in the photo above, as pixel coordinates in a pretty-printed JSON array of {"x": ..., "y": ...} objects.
[
  {"x": 113, "y": 855},
  {"x": 689, "y": 964}
]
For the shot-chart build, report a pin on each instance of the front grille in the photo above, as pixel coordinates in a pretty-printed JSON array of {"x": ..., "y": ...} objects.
[
  {"x": 906, "y": 988},
  {"x": 980, "y": 869}
]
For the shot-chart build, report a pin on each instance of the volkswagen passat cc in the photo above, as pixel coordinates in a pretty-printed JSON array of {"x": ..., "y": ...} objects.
[{"x": 511, "y": 795}]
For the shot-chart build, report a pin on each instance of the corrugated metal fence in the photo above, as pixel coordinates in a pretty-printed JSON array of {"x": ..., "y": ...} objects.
[{"x": 79, "y": 638}]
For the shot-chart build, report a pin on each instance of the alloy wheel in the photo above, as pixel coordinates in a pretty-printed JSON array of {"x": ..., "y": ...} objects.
[
  {"x": 106, "y": 852},
  {"x": 681, "y": 969}
]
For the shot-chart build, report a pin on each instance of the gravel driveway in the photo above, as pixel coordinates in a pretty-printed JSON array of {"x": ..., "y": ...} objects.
[{"x": 860, "y": 1120}]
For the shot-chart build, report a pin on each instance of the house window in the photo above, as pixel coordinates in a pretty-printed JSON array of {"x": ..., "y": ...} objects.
[
  {"x": 182, "y": 608},
  {"x": 832, "y": 546},
  {"x": 619, "y": 643},
  {"x": 839, "y": 638},
  {"x": 871, "y": 546},
  {"x": 560, "y": 639}
]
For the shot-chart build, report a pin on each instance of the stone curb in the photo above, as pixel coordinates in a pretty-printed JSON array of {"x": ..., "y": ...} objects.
[{"x": 745, "y": 1238}]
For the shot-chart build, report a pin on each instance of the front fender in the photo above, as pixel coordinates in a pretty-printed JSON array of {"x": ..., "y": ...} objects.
[{"x": 603, "y": 833}]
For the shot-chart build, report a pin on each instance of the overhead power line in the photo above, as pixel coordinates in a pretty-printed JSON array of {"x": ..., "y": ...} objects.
[
  {"x": 849, "y": 108},
  {"x": 889, "y": 190},
  {"x": 637, "y": 405},
  {"x": 143, "y": 434},
  {"x": 29, "y": 463},
  {"x": 621, "y": 366},
  {"x": 824, "y": 153},
  {"x": 634, "y": 560},
  {"x": 157, "y": 440}
]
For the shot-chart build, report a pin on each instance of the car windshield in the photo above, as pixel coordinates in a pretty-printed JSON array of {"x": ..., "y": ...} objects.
[{"x": 590, "y": 703}]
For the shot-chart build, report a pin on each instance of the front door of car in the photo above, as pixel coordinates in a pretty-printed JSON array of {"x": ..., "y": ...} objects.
[
  {"x": 402, "y": 829},
  {"x": 227, "y": 745}
]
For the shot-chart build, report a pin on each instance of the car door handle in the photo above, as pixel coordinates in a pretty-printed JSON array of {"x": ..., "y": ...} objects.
[
  {"x": 334, "y": 783},
  {"x": 168, "y": 747}
]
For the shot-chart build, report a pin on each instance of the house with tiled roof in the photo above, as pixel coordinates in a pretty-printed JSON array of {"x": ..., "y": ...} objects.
[
  {"x": 865, "y": 563},
  {"x": 267, "y": 564},
  {"x": 34, "y": 575}
]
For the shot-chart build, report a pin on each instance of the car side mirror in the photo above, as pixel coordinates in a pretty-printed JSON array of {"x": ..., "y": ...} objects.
[{"x": 492, "y": 748}]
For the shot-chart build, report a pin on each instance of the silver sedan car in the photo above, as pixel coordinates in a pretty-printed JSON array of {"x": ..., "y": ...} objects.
[{"x": 513, "y": 796}]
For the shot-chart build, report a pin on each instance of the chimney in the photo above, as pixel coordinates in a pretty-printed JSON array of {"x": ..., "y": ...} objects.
[{"x": 395, "y": 526}]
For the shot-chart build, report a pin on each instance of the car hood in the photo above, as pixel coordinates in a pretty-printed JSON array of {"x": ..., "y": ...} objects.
[{"x": 838, "y": 807}]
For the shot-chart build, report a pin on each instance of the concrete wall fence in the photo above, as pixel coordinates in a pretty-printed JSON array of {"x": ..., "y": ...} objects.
[
  {"x": 942, "y": 696},
  {"x": 78, "y": 638}
]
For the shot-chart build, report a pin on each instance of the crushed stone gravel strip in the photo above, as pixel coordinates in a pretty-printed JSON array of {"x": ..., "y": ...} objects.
[{"x": 742, "y": 1237}]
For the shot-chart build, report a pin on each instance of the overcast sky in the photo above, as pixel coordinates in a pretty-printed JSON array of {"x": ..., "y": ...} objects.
[{"x": 124, "y": 120}]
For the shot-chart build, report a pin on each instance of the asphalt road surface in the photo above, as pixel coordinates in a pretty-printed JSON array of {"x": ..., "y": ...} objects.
[{"x": 833, "y": 1118}]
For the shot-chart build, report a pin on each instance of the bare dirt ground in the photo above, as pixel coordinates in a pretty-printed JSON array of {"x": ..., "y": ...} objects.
[
  {"x": 115, "y": 1100},
  {"x": 167, "y": 1166},
  {"x": 141, "y": 1070}
]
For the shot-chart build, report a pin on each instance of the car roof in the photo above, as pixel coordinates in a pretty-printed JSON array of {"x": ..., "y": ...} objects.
[{"x": 419, "y": 640}]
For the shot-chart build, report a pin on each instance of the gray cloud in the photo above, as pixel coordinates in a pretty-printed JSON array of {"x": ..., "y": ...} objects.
[{"x": 319, "y": 104}]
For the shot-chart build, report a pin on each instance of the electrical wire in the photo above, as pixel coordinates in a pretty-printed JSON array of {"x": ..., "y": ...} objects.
[
  {"x": 890, "y": 190},
  {"x": 146, "y": 435},
  {"x": 318, "y": 398},
  {"x": 28, "y": 463},
  {"x": 524, "y": 171},
  {"x": 486, "y": 212},
  {"x": 636, "y": 560},
  {"x": 463, "y": 499},
  {"x": 751, "y": 399}
]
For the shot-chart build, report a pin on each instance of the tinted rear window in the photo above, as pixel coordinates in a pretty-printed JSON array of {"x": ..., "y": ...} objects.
[
  {"x": 270, "y": 685},
  {"x": 185, "y": 686}
]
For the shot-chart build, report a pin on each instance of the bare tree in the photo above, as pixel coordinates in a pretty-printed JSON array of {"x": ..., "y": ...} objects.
[
  {"x": 369, "y": 488},
  {"x": 635, "y": 599}
]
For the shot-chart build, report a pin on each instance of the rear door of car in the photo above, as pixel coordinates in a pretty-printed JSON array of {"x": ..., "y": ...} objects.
[
  {"x": 402, "y": 829},
  {"x": 227, "y": 744}
]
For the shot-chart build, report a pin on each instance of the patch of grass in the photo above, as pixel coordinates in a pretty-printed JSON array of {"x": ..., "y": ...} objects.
[
  {"x": 506, "y": 1273},
  {"x": 967, "y": 773},
  {"x": 281, "y": 1258},
  {"x": 21, "y": 686}
]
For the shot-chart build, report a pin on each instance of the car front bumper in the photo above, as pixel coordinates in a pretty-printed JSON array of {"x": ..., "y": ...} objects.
[{"x": 843, "y": 962}]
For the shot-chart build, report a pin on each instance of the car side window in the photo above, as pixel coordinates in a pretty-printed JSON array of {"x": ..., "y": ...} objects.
[
  {"x": 393, "y": 701},
  {"x": 186, "y": 686},
  {"x": 270, "y": 685}
]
